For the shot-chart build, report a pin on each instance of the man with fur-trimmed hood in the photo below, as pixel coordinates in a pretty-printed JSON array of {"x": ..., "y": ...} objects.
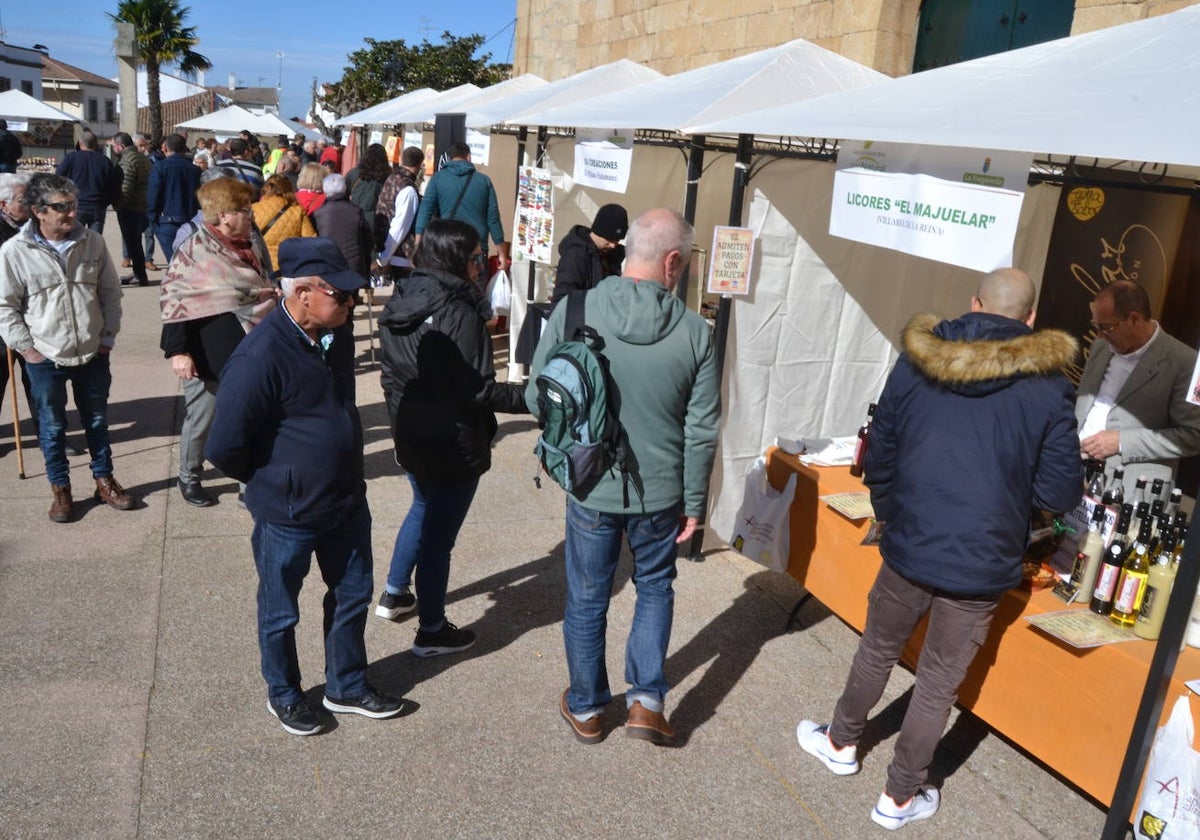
[{"x": 975, "y": 428}]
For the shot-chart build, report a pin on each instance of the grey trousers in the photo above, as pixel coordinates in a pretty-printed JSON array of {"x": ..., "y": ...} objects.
[
  {"x": 958, "y": 626},
  {"x": 199, "y": 408}
]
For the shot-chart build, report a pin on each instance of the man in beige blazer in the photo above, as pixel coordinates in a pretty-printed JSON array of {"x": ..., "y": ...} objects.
[{"x": 1132, "y": 403}]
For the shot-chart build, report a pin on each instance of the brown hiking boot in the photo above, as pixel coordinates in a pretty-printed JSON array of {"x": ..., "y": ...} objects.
[
  {"x": 113, "y": 494},
  {"x": 648, "y": 725},
  {"x": 63, "y": 507}
]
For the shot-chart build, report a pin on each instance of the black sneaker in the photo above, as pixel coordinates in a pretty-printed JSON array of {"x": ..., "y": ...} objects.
[
  {"x": 392, "y": 606},
  {"x": 447, "y": 640},
  {"x": 297, "y": 718},
  {"x": 373, "y": 704}
]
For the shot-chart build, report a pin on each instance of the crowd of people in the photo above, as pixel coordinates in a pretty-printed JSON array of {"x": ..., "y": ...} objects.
[{"x": 265, "y": 256}]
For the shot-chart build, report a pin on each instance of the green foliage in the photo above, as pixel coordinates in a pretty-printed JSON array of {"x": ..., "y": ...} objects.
[
  {"x": 385, "y": 69},
  {"x": 160, "y": 37}
]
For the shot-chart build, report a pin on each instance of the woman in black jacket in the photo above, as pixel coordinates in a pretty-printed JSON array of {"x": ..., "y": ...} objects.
[{"x": 440, "y": 383}]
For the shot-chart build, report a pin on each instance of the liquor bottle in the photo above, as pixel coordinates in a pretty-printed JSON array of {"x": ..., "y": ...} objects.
[
  {"x": 1156, "y": 491},
  {"x": 1131, "y": 585},
  {"x": 1173, "y": 502},
  {"x": 864, "y": 439},
  {"x": 1140, "y": 493},
  {"x": 1117, "y": 487},
  {"x": 1095, "y": 480},
  {"x": 1091, "y": 552},
  {"x": 1110, "y": 569},
  {"x": 1158, "y": 591}
]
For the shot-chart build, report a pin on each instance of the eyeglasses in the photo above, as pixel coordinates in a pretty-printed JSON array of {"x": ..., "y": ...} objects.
[
  {"x": 340, "y": 296},
  {"x": 1105, "y": 329},
  {"x": 244, "y": 210},
  {"x": 60, "y": 206}
]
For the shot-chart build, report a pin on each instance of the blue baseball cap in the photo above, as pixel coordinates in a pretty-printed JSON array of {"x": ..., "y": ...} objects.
[{"x": 316, "y": 256}]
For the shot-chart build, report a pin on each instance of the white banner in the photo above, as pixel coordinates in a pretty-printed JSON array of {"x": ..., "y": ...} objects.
[
  {"x": 956, "y": 223},
  {"x": 413, "y": 138},
  {"x": 481, "y": 146},
  {"x": 954, "y": 205},
  {"x": 603, "y": 159}
]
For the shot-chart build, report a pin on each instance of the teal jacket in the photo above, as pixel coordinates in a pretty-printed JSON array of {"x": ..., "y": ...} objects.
[
  {"x": 662, "y": 360},
  {"x": 478, "y": 207}
]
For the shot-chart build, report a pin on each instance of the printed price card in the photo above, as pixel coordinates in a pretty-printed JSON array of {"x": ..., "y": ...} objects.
[{"x": 732, "y": 259}]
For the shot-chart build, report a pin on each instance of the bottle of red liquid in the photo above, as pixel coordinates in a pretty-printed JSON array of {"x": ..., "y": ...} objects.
[{"x": 864, "y": 438}]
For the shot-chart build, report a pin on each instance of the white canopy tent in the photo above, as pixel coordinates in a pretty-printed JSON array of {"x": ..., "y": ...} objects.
[
  {"x": 813, "y": 344},
  {"x": 423, "y": 110},
  {"x": 1122, "y": 93},
  {"x": 18, "y": 106},
  {"x": 229, "y": 121},
  {"x": 788, "y": 73},
  {"x": 616, "y": 76},
  {"x": 368, "y": 116}
]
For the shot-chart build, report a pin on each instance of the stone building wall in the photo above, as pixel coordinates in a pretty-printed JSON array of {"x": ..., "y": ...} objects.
[{"x": 556, "y": 38}]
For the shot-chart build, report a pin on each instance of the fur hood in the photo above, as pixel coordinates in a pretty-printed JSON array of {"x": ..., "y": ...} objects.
[{"x": 982, "y": 353}]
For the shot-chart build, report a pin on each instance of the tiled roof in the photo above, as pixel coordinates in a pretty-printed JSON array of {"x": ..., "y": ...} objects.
[
  {"x": 180, "y": 110},
  {"x": 54, "y": 69}
]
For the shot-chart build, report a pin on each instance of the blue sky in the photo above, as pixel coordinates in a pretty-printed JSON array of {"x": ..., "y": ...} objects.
[{"x": 244, "y": 37}]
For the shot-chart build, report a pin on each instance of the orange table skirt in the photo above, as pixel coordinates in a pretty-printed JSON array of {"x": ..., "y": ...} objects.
[{"x": 1072, "y": 709}]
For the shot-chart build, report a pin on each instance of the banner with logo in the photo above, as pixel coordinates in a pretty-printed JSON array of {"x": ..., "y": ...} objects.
[
  {"x": 603, "y": 159},
  {"x": 957, "y": 206}
]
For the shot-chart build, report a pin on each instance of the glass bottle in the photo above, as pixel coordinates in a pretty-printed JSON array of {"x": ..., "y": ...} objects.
[
  {"x": 1159, "y": 582},
  {"x": 1091, "y": 552},
  {"x": 1110, "y": 569},
  {"x": 864, "y": 439},
  {"x": 1131, "y": 585},
  {"x": 1117, "y": 486}
]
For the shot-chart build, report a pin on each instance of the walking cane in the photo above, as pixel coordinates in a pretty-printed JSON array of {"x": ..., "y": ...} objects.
[
  {"x": 371, "y": 321},
  {"x": 12, "y": 381}
]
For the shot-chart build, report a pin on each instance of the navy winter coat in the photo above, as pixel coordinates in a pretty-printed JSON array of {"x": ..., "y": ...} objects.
[
  {"x": 975, "y": 428},
  {"x": 287, "y": 425}
]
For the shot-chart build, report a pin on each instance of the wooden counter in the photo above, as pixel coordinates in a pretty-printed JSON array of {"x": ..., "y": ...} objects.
[{"x": 1072, "y": 709}]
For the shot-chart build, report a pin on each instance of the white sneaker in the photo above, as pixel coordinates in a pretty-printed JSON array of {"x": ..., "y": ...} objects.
[
  {"x": 814, "y": 740},
  {"x": 921, "y": 806}
]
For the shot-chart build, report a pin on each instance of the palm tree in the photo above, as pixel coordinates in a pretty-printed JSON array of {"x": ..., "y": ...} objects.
[{"x": 160, "y": 37}]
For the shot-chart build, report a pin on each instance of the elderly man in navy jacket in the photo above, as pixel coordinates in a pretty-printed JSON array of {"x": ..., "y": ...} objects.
[
  {"x": 287, "y": 425},
  {"x": 975, "y": 428}
]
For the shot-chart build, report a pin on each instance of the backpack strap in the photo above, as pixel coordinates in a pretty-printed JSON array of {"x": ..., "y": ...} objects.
[
  {"x": 275, "y": 219},
  {"x": 458, "y": 200},
  {"x": 575, "y": 320}
]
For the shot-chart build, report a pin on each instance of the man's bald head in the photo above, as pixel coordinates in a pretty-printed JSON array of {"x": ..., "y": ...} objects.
[{"x": 1008, "y": 292}]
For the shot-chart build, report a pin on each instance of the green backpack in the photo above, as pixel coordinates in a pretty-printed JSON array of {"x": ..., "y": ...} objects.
[{"x": 582, "y": 437}]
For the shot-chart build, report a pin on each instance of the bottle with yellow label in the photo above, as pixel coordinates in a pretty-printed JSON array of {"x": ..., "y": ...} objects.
[{"x": 1131, "y": 585}]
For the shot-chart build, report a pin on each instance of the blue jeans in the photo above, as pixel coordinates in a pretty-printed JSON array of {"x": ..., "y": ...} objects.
[
  {"x": 91, "y": 218},
  {"x": 165, "y": 232},
  {"x": 90, "y": 384},
  {"x": 425, "y": 540},
  {"x": 283, "y": 556},
  {"x": 593, "y": 548}
]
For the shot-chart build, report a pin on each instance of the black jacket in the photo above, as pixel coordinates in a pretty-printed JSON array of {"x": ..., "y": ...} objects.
[
  {"x": 342, "y": 221},
  {"x": 975, "y": 428},
  {"x": 439, "y": 378},
  {"x": 94, "y": 176},
  {"x": 581, "y": 265}
]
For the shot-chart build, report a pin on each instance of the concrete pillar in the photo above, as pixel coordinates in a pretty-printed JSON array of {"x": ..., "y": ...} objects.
[{"x": 126, "y": 77}]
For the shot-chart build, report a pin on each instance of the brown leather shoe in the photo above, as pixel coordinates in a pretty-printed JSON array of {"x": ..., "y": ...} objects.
[
  {"x": 150, "y": 266},
  {"x": 586, "y": 731},
  {"x": 648, "y": 725},
  {"x": 126, "y": 263},
  {"x": 113, "y": 494},
  {"x": 63, "y": 507}
]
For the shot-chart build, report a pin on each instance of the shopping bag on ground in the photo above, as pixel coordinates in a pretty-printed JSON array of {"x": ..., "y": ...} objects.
[
  {"x": 1171, "y": 792},
  {"x": 499, "y": 292},
  {"x": 761, "y": 530}
]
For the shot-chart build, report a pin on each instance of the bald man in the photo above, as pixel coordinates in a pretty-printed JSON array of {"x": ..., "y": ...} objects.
[{"x": 974, "y": 429}]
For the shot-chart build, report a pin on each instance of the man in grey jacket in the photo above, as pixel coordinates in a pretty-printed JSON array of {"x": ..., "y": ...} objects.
[
  {"x": 664, "y": 370},
  {"x": 60, "y": 308},
  {"x": 1132, "y": 403}
]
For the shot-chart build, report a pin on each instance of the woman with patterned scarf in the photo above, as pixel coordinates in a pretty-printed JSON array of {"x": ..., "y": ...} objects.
[{"x": 215, "y": 290}]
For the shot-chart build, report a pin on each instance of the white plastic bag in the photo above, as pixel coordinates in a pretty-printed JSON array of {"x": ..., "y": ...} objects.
[
  {"x": 499, "y": 292},
  {"x": 761, "y": 531},
  {"x": 1171, "y": 790}
]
